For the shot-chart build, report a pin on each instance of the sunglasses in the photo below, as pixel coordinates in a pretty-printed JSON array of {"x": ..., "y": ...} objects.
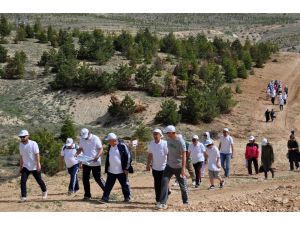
[
  {"x": 194, "y": 140},
  {"x": 22, "y": 137}
]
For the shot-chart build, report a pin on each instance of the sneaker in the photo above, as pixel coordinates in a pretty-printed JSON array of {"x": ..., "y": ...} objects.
[
  {"x": 175, "y": 183},
  {"x": 212, "y": 187},
  {"x": 194, "y": 183},
  {"x": 186, "y": 203},
  {"x": 87, "y": 198},
  {"x": 23, "y": 199},
  {"x": 127, "y": 200},
  {"x": 197, "y": 186},
  {"x": 103, "y": 201},
  {"x": 45, "y": 195},
  {"x": 222, "y": 184},
  {"x": 161, "y": 206}
]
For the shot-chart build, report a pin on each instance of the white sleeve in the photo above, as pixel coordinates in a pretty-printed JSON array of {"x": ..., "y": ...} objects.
[
  {"x": 189, "y": 149},
  {"x": 203, "y": 148},
  {"x": 36, "y": 148},
  {"x": 149, "y": 150},
  {"x": 98, "y": 143},
  {"x": 231, "y": 140},
  {"x": 166, "y": 148}
]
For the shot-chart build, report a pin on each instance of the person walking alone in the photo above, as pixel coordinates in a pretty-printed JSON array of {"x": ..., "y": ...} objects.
[
  {"x": 226, "y": 151},
  {"x": 267, "y": 157},
  {"x": 293, "y": 153}
]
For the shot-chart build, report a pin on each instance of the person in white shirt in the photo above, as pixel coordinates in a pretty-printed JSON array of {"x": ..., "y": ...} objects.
[
  {"x": 196, "y": 151},
  {"x": 68, "y": 154},
  {"x": 117, "y": 166},
  {"x": 90, "y": 145},
  {"x": 273, "y": 95},
  {"x": 157, "y": 160},
  {"x": 281, "y": 103},
  {"x": 212, "y": 154},
  {"x": 285, "y": 97},
  {"x": 30, "y": 164},
  {"x": 226, "y": 150}
]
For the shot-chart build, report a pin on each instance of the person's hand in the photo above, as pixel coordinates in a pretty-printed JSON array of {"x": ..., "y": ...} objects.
[
  {"x": 182, "y": 174},
  {"x": 126, "y": 172},
  {"x": 218, "y": 165},
  {"x": 38, "y": 167},
  {"x": 148, "y": 168},
  {"x": 95, "y": 159}
]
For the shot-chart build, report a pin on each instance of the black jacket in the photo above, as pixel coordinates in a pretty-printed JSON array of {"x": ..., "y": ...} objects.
[{"x": 125, "y": 158}]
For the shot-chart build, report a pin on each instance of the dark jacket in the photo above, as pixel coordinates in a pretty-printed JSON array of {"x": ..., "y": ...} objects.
[
  {"x": 267, "y": 156},
  {"x": 293, "y": 144},
  {"x": 125, "y": 158}
]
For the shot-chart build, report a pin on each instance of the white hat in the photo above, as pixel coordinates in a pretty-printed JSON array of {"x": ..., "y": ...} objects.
[
  {"x": 69, "y": 142},
  {"x": 195, "y": 137},
  {"x": 209, "y": 142},
  {"x": 251, "y": 138},
  {"x": 226, "y": 129},
  {"x": 111, "y": 136},
  {"x": 158, "y": 131},
  {"x": 84, "y": 133},
  {"x": 23, "y": 133},
  {"x": 264, "y": 142},
  {"x": 170, "y": 129}
]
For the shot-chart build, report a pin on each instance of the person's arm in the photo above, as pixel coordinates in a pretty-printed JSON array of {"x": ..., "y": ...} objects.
[
  {"x": 149, "y": 161},
  {"x": 232, "y": 150},
  {"x": 183, "y": 155},
  {"x": 218, "y": 163},
  {"x": 100, "y": 151},
  {"x": 38, "y": 164},
  {"x": 21, "y": 163}
]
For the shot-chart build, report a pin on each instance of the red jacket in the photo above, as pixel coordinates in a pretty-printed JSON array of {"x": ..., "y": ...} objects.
[{"x": 252, "y": 151}]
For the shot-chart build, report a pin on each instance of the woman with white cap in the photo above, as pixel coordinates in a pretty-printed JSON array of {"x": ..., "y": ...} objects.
[
  {"x": 196, "y": 150},
  {"x": 68, "y": 155},
  {"x": 117, "y": 166},
  {"x": 30, "y": 164},
  {"x": 157, "y": 160},
  {"x": 267, "y": 157},
  {"x": 251, "y": 155}
]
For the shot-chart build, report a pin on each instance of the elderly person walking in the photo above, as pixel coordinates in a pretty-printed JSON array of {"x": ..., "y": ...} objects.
[{"x": 267, "y": 157}]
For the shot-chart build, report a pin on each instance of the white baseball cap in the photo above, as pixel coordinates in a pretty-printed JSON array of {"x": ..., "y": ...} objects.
[
  {"x": 23, "y": 133},
  {"x": 69, "y": 142},
  {"x": 111, "y": 136},
  {"x": 156, "y": 130},
  {"x": 264, "y": 142},
  {"x": 209, "y": 142},
  {"x": 195, "y": 137},
  {"x": 226, "y": 129},
  {"x": 84, "y": 133},
  {"x": 169, "y": 129},
  {"x": 251, "y": 138}
]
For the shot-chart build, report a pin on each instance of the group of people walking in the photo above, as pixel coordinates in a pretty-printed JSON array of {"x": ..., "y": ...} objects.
[
  {"x": 275, "y": 88},
  {"x": 166, "y": 157}
]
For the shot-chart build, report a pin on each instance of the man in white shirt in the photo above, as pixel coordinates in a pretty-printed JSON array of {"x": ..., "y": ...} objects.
[
  {"x": 30, "y": 164},
  {"x": 68, "y": 154},
  {"x": 117, "y": 166},
  {"x": 90, "y": 145},
  {"x": 196, "y": 151},
  {"x": 226, "y": 151},
  {"x": 157, "y": 160}
]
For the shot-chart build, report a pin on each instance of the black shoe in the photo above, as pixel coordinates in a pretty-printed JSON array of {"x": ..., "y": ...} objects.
[
  {"x": 103, "y": 201},
  {"x": 127, "y": 200},
  {"x": 169, "y": 192},
  {"x": 212, "y": 187},
  {"x": 87, "y": 198},
  {"x": 222, "y": 184}
]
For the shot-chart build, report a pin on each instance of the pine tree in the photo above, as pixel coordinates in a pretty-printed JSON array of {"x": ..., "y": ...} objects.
[
  {"x": 3, "y": 54},
  {"x": 5, "y": 28},
  {"x": 68, "y": 129},
  {"x": 168, "y": 113}
]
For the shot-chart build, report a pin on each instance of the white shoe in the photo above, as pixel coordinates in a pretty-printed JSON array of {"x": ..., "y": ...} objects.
[
  {"x": 194, "y": 183},
  {"x": 44, "y": 195},
  {"x": 175, "y": 183},
  {"x": 161, "y": 206},
  {"x": 23, "y": 199}
]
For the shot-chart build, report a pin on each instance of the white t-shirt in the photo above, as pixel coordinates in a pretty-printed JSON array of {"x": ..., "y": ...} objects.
[
  {"x": 28, "y": 152},
  {"x": 159, "y": 153},
  {"x": 197, "y": 152},
  {"x": 115, "y": 165},
  {"x": 91, "y": 148},
  {"x": 281, "y": 102},
  {"x": 226, "y": 143},
  {"x": 69, "y": 155},
  {"x": 213, "y": 154}
]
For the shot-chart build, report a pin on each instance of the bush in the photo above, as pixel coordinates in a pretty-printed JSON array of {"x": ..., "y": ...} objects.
[
  {"x": 143, "y": 133},
  {"x": 123, "y": 77},
  {"x": 225, "y": 101},
  {"x": 42, "y": 37},
  {"x": 21, "y": 35},
  {"x": 3, "y": 54},
  {"x": 238, "y": 89},
  {"x": 50, "y": 148},
  {"x": 123, "y": 42},
  {"x": 230, "y": 69},
  {"x": 5, "y": 27},
  {"x": 247, "y": 60},
  {"x": 107, "y": 82},
  {"x": 168, "y": 113},
  {"x": 121, "y": 110},
  {"x": 15, "y": 68},
  {"x": 144, "y": 76},
  {"x": 155, "y": 89},
  {"x": 68, "y": 129},
  {"x": 242, "y": 72},
  {"x": 29, "y": 31}
]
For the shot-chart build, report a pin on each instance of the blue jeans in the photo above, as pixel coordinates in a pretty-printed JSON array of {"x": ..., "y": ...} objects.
[
  {"x": 73, "y": 171},
  {"x": 225, "y": 163}
]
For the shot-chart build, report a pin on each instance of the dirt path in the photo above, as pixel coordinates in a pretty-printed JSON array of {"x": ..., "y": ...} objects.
[{"x": 241, "y": 193}]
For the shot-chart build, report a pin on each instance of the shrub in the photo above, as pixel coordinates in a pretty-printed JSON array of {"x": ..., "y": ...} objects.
[
  {"x": 238, "y": 89},
  {"x": 107, "y": 82},
  {"x": 225, "y": 101},
  {"x": 123, "y": 77},
  {"x": 21, "y": 35},
  {"x": 42, "y": 36},
  {"x": 155, "y": 89},
  {"x": 230, "y": 69},
  {"x": 29, "y": 31},
  {"x": 143, "y": 133},
  {"x": 3, "y": 54},
  {"x": 168, "y": 113},
  {"x": 15, "y": 68},
  {"x": 242, "y": 72},
  {"x": 68, "y": 129},
  {"x": 144, "y": 75},
  {"x": 5, "y": 27},
  {"x": 121, "y": 110}
]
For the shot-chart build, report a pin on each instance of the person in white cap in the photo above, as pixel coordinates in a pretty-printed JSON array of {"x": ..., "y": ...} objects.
[
  {"x": 91, "y": 146},
  {"x": 30, "y": 164},
  {"x": 226, "y": 151},
  {"x": 251, "y": 155},
  {"x": 176, "y": 163},
  {"x": 68, "y": 154},
  {"x": 157, "y": 160},
  {"x": 117, "y": 166},
  {"x": 267, "y": 157},
  {"x": 196, "y": 150},
  {"x": 212, "y": 155}
]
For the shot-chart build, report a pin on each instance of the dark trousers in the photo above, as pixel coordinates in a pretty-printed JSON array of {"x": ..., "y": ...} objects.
[
  {"x": 266, "y": 172},
  {"x": 198, "y": 171},
  {"x": 73, "y": 171},
  {"x": 157, "y": 175},
  {"x": 167, "y": 175},
  {"x": 24, "y": 176},
  {"x": 273, "y": 100},
  {"x": 254, "y": 160},
  {"x": 293, "y": 159},
  {"x": 96, "y": 171},
  {"x": 110, "y": 182},
  {"x": 281, "y": 107}
]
